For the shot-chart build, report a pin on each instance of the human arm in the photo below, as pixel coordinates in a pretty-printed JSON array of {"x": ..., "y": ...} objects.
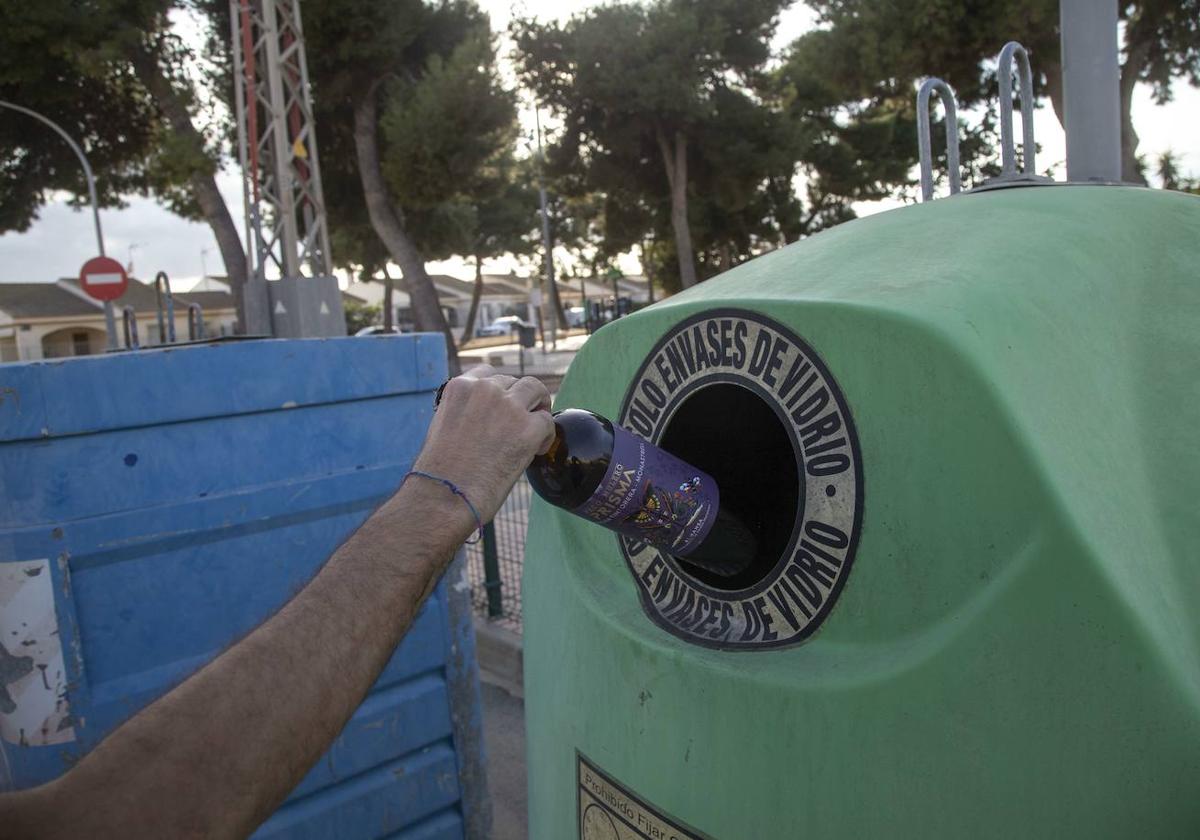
[{"x": 216, "y": 755}]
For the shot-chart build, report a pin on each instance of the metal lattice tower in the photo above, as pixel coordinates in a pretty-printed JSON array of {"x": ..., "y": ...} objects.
[{"x": 286, "y": 228}]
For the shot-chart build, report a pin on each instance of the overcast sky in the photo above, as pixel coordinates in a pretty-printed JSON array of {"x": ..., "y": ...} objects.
[{"x": 62, "y": 238}]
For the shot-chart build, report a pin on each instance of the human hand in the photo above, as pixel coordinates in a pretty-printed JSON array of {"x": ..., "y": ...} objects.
[{"x": 486, "y": 430}]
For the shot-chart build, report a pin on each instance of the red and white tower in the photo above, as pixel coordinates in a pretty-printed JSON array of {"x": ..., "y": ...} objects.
[{"x": 287, "y": 235}]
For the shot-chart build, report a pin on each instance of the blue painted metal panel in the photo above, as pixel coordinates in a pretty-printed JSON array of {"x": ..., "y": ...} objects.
[
  {"x": 181, "y": 496},
  {"x": 444, "y": 826},
  {"x": 375, "y": 803}
]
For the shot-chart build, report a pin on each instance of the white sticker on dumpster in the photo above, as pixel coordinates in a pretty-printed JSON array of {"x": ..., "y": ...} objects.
[
  {"x": 607, "y": 811},
  {"x": 789, "y": 594},
  {"x": 33, "y": 678}
]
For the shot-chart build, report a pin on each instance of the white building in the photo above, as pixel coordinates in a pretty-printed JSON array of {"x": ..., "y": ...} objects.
[
  {"x": 55, "y": 320},
  {"x": 502, "y": 295}
]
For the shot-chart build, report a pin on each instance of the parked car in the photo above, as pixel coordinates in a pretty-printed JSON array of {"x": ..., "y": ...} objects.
[
  {"x": 576, "y": 317},
  {"x": 504, "y": 325},
  {"x": 376, "y": 329}
]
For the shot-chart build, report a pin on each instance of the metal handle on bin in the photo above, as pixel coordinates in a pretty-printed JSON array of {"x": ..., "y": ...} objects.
[
  {"x": 1008, "y": 168},
  {"x": 129, "y": 317},
  {"x": 195, "y": 322},
  {"x": 925, "y": 143},
  {"x": 161, "y": 281}
]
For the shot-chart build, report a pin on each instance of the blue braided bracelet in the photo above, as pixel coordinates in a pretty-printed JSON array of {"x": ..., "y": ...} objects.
[{"x": 453, "y": 489}]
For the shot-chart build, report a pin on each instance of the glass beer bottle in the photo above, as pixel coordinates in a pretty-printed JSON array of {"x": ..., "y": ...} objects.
[{"x": 603, "y": 473}]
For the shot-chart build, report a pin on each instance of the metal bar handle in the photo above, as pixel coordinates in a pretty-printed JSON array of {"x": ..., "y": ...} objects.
[
  {"x": 129, "y": 317},
  {"x": 195, "y": 322},
  {"x": 924, "y": 140},
  {"x": 161, "y": 283},
  {"x": 1008, "y": 166}
]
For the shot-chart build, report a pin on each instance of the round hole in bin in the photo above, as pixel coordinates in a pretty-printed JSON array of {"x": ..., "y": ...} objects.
[{"x": 734, "y": 435}]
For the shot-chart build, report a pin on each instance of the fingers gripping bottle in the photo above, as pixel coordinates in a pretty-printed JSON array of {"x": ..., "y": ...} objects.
[{"x": 603, "y": 473}]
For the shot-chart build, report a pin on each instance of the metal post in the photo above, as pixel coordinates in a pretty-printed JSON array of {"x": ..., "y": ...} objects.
[
  {"x": 163, "y": 284},
  {"x": 320, "y": 256},
  {"x": 491, "y": 572},
  {"x": 546, "y": 239},
  {"x": 131, "y": 329},
  {"x": 195, "y": 322},
  {"x": 281, "y": 150},
  {"x": 110, "y": 325},
  {"x": 236, "y": 19},
  {"x": 110, "y": 322},
  {"x": 1091, "y": 89}
]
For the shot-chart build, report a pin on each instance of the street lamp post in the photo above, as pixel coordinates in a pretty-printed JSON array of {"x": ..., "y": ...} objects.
[
  {"x": 553, "y": 290},
  {"x": 110, "y": 322}
]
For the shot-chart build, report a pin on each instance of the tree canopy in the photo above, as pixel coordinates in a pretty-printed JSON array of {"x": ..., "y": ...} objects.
[
  {"x": 118, "y": 79},
  {"x": 105, "y": 112},
  {"x": 675, "y": 131},
  {"x": 638, "y": 90},
  {"x": 861, "y": 65},
  {"x": 410, "y": 91}
]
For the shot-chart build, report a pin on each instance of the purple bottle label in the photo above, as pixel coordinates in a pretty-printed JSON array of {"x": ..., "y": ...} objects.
[{"x": 651, "y": 495}]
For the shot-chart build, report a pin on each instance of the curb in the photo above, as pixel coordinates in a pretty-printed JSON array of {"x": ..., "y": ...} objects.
[{"x": 501, "y": 657}]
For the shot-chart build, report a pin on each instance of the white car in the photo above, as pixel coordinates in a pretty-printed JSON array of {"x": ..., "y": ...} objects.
[
  {"x": 378, "y": 330},
  {"x": 502, "y": 326}
]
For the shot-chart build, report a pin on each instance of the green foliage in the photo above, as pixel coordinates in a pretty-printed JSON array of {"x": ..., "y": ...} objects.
[
  {"x": 446, "y": 130},
  {"x": 78, "y": 68},
  {"x": 854, "y": 79},
  {"x": 622, "y": 78},
  {"x": 448, "y": 159},
  {"x": 52, "y": 59},
  {"x": 1168, "y": 32},
  {"x": 359, "y": 315},
  {"x": 505, "y": 217},
  {"x": 1171, "y": 178}
]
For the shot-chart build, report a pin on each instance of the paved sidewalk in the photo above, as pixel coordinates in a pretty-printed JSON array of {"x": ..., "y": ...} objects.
[
  {"x": 505, "y": 358},
  {"x": 504, "y": 739}
]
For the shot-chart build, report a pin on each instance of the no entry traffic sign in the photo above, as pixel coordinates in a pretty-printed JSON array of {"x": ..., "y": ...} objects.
[{"x": 103, "y": 278}]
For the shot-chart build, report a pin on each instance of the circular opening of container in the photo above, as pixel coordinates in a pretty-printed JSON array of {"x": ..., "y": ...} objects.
[{"x": 735, "y": 436}]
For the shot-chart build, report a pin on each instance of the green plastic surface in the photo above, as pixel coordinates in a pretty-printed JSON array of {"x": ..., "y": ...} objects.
[{"x": 1016, "y": 652}]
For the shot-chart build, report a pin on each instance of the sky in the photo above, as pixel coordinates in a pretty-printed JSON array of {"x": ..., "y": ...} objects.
[{"x": 153, "y": 239}]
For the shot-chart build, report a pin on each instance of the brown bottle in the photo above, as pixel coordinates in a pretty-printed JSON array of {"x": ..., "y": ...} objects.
[{"x": 608, "y": 475}]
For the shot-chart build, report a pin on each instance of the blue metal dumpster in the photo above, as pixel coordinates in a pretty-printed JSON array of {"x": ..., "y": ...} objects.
[{"x": 155, "y": 506}]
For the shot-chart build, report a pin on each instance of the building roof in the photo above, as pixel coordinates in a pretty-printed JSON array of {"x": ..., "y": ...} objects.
[
  {"x": 371, "y": 292},
  {"x": 142, "y": 297},
  {"x": 214, "y": 300},
  {"x": 44, "y": 300},
  {"x": 519, "y": 285},
  {"x": 450, "y": 289},
  {"x": 64, "y": 299},
  {"x": 210, "y": 283}
]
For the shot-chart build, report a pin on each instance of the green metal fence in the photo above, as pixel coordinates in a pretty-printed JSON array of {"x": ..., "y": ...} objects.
[{"x": 494, "y": 564}]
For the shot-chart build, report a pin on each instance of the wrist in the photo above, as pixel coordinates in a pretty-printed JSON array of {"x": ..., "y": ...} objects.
[{"x": 435, "y": 512}]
